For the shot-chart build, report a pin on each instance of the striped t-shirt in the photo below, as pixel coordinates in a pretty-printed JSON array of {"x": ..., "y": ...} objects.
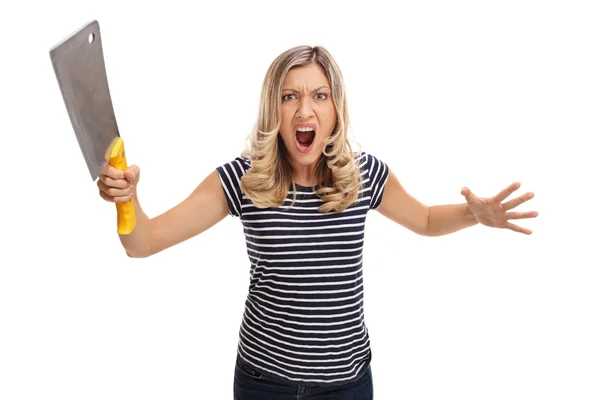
[{"x": 303, "y": 320}]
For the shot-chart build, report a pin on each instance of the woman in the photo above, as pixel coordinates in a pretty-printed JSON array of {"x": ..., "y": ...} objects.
[{"x": 302, "y": 196}]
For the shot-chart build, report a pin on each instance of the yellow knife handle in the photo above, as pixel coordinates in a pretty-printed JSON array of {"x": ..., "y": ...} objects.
[{"x": 125, "y": 211}]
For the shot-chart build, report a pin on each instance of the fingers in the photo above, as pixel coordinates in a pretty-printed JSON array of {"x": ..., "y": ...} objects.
[
  {"x": 112, "y": 199},
  {"x": 112, "y": 182},
  {"x": 117, "y": 186},
  {"x": 112, "y": 172},
  {"x": 115, "y": 194},
  {"x": 521, "y": 215},
  {"x": 509, "y": 205},
  {"x": 507, "y": 191},
  {"x": 518, "y": 229},
  {"x": 468, "y": 194},
  {"x": 110, "y": 175},
  {"x": 132, "y": 174},
  {"x": 129, "y": 177}
]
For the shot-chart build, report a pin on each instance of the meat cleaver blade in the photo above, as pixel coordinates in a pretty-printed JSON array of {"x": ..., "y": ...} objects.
[{"x": 78, "y": 63}]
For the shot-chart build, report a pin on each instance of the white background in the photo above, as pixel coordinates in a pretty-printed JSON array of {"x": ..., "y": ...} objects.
[{"x": 449, "y": 94}]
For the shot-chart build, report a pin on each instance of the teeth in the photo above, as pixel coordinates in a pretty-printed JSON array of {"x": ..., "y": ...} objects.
[{"x": 305, "y": 129}]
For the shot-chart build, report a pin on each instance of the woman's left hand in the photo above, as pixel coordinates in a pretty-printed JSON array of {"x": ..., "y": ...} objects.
[{"x": 492, "y": 212}]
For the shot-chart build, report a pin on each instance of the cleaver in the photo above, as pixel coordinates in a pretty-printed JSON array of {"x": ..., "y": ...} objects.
[{"x": 78, "y": 63}]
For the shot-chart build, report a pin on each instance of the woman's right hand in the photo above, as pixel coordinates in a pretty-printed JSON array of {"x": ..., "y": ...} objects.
[{"x": 118, "y": 186}]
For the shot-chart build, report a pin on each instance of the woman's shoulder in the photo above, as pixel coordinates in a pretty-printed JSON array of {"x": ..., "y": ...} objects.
[
  {"x": 233, "y": 170},
  {"x": 365, "y": 160},
  {"x": 240, "y": 164}
]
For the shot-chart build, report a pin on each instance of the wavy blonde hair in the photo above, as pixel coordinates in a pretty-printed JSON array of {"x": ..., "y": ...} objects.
[{"x": 268, "y": 180}]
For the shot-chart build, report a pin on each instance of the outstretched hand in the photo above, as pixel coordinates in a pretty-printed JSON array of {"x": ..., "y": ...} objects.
[{"x": 492, "y": 212}]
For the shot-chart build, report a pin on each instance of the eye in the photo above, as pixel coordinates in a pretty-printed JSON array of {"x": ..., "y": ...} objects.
[{"x": 323, "y": 96}]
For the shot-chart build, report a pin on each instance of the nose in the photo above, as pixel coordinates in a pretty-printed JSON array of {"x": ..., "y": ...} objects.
[{"x": 305, "y": 109}]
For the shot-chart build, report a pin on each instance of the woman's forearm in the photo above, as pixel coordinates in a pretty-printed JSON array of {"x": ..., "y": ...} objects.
[{"x": 450, "y": 218}]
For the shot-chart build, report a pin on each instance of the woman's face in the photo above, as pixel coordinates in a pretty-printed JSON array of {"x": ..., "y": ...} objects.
[{"x": 307, "y": 113}]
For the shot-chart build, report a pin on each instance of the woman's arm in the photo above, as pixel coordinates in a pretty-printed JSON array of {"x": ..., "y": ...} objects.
[
  {"x": 202, "y": 209},
  {"x": 449, "y": 218},
  {"x": 401, "y": 207}
]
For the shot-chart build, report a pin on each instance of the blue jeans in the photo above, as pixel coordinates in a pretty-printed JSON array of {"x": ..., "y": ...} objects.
[{"x": 249, "y": 384}]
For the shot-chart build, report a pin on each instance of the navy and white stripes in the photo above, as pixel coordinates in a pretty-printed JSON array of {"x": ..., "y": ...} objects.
[{"x": 303, "y": 318}]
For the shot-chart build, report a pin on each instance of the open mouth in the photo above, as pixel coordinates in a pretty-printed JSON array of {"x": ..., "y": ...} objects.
[{"x": 305, "y": 137}]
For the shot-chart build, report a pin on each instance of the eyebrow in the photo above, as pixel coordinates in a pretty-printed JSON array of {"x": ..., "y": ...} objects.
[{"x": 295, "y": 91}]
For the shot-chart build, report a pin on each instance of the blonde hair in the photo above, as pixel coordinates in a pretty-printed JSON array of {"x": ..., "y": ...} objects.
[{"x": 268, "y": 180}]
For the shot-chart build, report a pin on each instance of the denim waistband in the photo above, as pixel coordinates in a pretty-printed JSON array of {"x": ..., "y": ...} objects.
[{"x": 273, "y": 379}]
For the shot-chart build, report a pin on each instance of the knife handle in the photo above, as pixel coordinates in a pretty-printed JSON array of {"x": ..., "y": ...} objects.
[{"x": 125, "y": 211}]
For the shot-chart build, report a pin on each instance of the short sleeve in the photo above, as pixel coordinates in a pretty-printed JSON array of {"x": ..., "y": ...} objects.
[
  {"x": 231, "y": 174},
  {"x": 378, "y": 172}
]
